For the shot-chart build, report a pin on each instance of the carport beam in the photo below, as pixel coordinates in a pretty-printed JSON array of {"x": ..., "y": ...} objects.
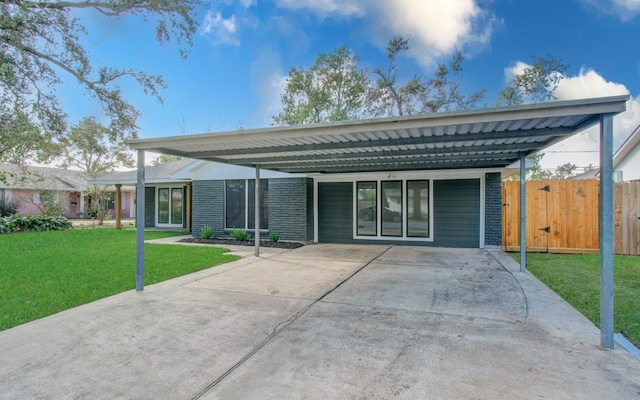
[
  {"x": 523, "y": 212},
  {"x": 257, "y": 213},
  {"x": 140, "y": 223},
  {"x": 606, "y": 231}
]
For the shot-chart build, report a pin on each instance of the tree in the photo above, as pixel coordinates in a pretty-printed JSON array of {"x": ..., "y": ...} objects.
[
  {"x": 536, "y": 83},
  {"x": 88, "y": 147},
  {"x": 165, "y": 159},
  {"x": 41, "y": 44},
  {"x": 333, "y": 89},
  {"x": 391, "y": 98},
  {"x": 564, "y": 171},
  {"x": 442, "y": 92}
]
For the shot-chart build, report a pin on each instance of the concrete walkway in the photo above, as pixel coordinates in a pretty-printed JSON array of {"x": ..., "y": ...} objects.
[{"x": 324, "y": 322}]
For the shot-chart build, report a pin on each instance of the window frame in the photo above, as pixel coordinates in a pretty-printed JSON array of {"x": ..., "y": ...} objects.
[{"x": 248, "y": 205}]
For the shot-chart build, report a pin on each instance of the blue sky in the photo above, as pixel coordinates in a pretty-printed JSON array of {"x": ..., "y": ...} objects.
[{"x": 244, "y": 48}]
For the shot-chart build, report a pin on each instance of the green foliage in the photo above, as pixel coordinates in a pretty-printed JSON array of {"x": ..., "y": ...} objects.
[
  {"x": 537, "y": 83},
  {"x": 95, "y": 149},
  {"x": 33, "y": 223},
  {"x": 8, "y": 208},
  {"x": 333, "y": 89},
  {"x": 240, "y": 234},
  {"x": 576, "y": 278},
  {"x": 69, "y": 268},
  {"x": 165, "y": 159},
  {"x": 41, "y": 45},
  {"x": 206, "y": 232},
  {"x": 49, "y": 204},
  {"x": 98, "y": 207},
  {"x": 274, "y": 237}
]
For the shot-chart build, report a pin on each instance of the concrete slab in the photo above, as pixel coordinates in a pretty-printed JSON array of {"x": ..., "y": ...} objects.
[{"x": 319, "y": 322}]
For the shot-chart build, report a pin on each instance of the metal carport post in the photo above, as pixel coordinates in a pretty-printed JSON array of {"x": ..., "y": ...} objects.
[
  {"x": 606, "y": 230},
  {"x": 140, "y": 223}
]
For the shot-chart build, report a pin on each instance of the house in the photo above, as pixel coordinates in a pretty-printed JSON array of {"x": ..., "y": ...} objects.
[
  {"x": 25, "y": 185},
  {"x": 166, "y": 190},
  {"x": 429, "y": 180},
  {"x": 626, "y": 161},
  {"x": 352, "y": 173}
]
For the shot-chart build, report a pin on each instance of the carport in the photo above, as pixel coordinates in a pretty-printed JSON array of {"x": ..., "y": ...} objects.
[{"x": 472, "y": 139}]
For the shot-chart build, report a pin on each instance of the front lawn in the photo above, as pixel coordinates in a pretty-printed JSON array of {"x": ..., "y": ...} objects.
[
  {"x": 43, "y": 273},
  {"x": 576, "y": 278}
]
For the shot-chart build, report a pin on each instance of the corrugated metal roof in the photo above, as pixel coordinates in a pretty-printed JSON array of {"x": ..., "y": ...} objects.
[
  {"x": 155, "y": 173},
  {"x": 487, "y": 138}
]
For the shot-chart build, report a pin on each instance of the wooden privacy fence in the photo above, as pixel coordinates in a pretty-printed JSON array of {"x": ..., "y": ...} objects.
[{"x": 563, "y": 216}]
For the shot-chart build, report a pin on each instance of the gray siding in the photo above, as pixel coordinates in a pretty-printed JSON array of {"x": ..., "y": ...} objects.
[
  {"x": 335, "y": 212},
  {"x": 493, "y": 209},
  {"x": 456, "y": 209},
  {"x": 149, "y": 206}
]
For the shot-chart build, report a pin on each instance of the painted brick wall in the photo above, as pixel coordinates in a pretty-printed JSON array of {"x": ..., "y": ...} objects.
[
  {"x": 493, "y": 209},
  {"x": 290, "y": 208},
  {"x": 207, "y": 204}
]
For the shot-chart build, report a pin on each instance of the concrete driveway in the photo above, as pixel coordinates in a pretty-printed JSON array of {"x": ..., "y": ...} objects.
[{"x": 324, "y": 322}]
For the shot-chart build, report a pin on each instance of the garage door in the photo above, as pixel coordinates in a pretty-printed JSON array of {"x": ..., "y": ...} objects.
[{"x": 335, "y": 212}]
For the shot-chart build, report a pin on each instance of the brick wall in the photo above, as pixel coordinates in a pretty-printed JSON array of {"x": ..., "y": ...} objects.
[
  {"x": 290, "y": 208},
  {"x": 493, "y": 209}
]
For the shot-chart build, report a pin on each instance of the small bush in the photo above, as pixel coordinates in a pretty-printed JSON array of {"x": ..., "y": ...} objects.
[
  {"x": 206, "y": 232},
  {"x": 37, "y": 223},
  {"x": 241, "y": 235},
  {"x": 274, "y": 237},
  {"x": 8, "y": 208}
]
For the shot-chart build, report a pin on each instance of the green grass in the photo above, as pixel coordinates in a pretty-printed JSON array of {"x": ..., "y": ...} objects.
[
  {"x": 42, "y": 273},
  {"x": 576, "y": 278}
]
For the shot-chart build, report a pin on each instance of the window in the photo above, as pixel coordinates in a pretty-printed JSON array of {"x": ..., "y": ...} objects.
[
  {"x": 170, "y": 205},
  {"x": 418, "y": 208},
  {"x": 240, "y": 204},
  {"x": 393, "y": 209},
  {"x": 163, "y": 206},
  {"x": 367, "y": 215}
]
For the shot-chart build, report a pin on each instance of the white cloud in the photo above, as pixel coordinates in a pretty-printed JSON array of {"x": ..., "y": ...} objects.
[
  {"x": 624, "y": 9},
  {"x": 224, "y": 31},
  {"x": 436, "y": 28},
  {"x": 326, "y": 8},
  {"x": 582, "y": 149},
  {"x": 267, "y": 82}
]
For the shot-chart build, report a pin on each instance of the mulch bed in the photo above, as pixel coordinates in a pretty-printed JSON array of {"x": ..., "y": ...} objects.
[{"x": 233, "y": 242}]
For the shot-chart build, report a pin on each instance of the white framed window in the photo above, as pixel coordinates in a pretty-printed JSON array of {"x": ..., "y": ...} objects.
[{"x": 240, "y": 204}]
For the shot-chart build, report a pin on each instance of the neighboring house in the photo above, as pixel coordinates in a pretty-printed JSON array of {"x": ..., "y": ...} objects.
[
  {"x": 165, "y": 191},
  {"x": 626, "y": 161},
  {"x": 24, "y": 185}
]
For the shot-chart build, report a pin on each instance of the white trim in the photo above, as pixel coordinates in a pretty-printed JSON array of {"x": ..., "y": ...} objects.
[
  {"x": 482, "y": 210},
  {"x": 315, "y": 210}
]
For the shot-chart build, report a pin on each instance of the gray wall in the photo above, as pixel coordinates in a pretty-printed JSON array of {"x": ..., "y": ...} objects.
[
  {"x": 290, "y": 208},
  {"x": 493, "y": 209},
  {"x": 456, "y": 214}
]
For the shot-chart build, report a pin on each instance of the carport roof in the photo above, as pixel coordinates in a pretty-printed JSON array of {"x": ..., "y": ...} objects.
[{"x": 485, "y": 138}]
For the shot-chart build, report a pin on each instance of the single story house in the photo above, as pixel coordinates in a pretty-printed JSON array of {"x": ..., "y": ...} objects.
[
  {"x": 626, "y": 161},
  {"x": 24, "y": 184},
  {"x": 431, "y": 180}
]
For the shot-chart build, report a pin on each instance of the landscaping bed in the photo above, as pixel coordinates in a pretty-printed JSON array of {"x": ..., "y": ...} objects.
[{"x": 233, "y": 242}]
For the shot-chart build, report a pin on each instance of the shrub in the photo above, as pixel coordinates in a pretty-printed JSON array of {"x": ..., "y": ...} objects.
[
  {"x": 206, "y": 232},
  {"x": 240, "y": 234},
  {"x": 274, "y": 237},
  {"x": 37, "y": 223},
  {"x": 8, "y": 208}
]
